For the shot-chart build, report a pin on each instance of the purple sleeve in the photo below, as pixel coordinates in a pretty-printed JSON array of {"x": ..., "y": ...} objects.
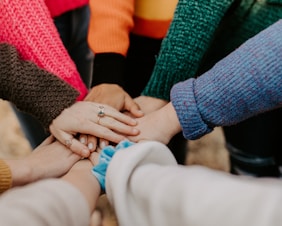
[{"x": 245, "y": 83}]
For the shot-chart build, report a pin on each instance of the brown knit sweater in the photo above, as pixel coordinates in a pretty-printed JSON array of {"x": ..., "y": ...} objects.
[{"x": 31, "y": 89}]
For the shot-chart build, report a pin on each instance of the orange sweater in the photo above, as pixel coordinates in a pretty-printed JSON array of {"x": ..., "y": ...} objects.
[{"x": 112, "y": 21}]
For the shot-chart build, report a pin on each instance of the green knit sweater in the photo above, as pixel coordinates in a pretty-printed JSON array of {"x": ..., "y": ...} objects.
[{"x": 203, "y": 32}]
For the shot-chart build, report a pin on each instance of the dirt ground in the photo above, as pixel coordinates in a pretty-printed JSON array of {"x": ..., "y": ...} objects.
[{"x": 208, "y": 151}]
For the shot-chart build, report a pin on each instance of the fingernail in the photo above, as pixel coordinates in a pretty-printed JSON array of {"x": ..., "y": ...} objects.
[
  {"x": 85, "y": 152},
  {"x": 82, "y": 140},
  {"x": 102, "y": 145},
  {"x": 134, "y": 130},
  {"x": 90, "y": 146}
]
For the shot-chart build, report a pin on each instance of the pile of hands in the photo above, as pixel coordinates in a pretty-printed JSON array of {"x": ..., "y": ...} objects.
[{"x": 107, "y": 116}]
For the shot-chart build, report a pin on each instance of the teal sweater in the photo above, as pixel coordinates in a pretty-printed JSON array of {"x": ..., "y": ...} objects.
[{"x": 202, "y": 33}]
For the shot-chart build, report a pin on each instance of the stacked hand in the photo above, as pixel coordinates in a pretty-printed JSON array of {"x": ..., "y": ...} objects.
[{"x": 96, "y": 120}]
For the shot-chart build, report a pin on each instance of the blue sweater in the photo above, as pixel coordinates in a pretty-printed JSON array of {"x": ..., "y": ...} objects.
[{"x": 245, "y": 83}]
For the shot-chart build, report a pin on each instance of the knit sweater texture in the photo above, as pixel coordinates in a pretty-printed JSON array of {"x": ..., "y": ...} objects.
[
  {"x": 5, "y": 177},
  {"x": 28, "y": 26},
  {"x": 32, "y": 89},
  {"x": 202, "y": 33},
  {"x": 112, "y": 21},
  {"x": 111, "y": 24},
  {"x": 245, "y": 83}
]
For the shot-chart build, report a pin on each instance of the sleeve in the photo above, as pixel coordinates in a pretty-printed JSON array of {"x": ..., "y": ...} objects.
[
  {"x": 110, "y": 24},
  {"x": 31, "y": 89},
  {"x": 245, "y": 83},
  {"x": 147, "y": 187},
  {"x": 28, "y": 26},
  {"x": 47, "y": 202},
  {"x": 5, "y": 177},
  {"x": 189, "y": 36}
]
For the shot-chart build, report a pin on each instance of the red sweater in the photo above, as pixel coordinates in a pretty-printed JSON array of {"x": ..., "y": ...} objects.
[
  {"x": 58, "y": 7},
  {"x": 27, "y": 25}
]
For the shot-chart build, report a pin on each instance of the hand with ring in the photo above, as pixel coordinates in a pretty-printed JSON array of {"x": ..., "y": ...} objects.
[{"x": 92, "y": 119}]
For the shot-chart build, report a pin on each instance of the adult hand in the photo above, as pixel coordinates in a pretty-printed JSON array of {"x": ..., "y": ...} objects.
[
  {"x": 50, "y": 159},
  {"x": 160, "y": 125},
  {"x": 114, "y": 96},
  {"x": 94, "y": 119},
  {"x": 149, "y": 104}
]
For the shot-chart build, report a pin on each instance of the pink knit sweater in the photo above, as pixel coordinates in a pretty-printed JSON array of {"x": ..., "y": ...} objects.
[
  {"x": 27, "y": 25},
  {"x": 57, "y": 7}
]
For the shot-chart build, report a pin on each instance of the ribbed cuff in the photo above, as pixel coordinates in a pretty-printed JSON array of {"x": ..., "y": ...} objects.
[{"x": 5, "y": 177}]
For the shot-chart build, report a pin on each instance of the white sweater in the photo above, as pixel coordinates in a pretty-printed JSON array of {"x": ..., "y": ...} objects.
[{"x": 148, "y": 188}]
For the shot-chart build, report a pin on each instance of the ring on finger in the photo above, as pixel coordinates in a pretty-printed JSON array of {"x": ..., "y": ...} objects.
[
  {"x": 101, "y": 112},
  {"x": 68, "y": 142}
]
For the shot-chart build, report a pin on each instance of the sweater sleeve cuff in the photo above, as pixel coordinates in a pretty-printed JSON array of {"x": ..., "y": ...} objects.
[
  {"x": 184, "y": 102},
  {"x": 5, "y": 177},
  {"x": 32, "y": 89},
  {"x": 108, "y": 68}
]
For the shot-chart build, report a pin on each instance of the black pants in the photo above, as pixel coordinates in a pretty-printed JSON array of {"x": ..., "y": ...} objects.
[{"x": 255, "y": 145}]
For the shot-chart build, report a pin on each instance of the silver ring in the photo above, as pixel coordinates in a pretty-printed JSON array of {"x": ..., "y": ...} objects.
[
  {"x": 101, "y": 112},
  {"x": 68, "y": 142}
]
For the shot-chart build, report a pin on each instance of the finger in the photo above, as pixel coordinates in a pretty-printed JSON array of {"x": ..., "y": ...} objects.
[
  {"x": 131, "y": 106},
  {"x": 80, "y": 149},
  {"x": 91, "y": 143},
  {"x": 103, "y": 143},
  {"x": 109, "y": 111},
  {"x": 83, "y": 139},
  {"x": 94, "y": 158},
  {"x": 73, "y": 144},
  {"x": 117, "y": 126},
  {"x": 98, "y": 150}
]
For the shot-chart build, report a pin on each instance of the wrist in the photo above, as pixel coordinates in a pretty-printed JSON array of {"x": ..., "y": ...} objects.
[
  {"x": 171, "y": 120},
  {"x": 21, "y": 172}
]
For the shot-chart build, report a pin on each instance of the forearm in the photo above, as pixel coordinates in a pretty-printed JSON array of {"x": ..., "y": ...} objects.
[
  {"x": 19, "y": 20},
  {"x": 245, "y": 83},
  {"x": 21, "y": 172},
  {"x": 183, "y": 195},
  {"x": 23, "y": 83},
  {"x": 87, "y": 184},
  {"x": 47, "y": 202},
  {"x": 189, "y": 36}
]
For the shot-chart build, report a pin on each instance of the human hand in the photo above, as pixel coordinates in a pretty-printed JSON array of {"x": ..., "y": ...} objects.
[
  {"x": 160, "y": 125},
  {"x": 114, "y": 96},
  {"x": 82, "y": 118},
  {"x": 50, "y": 159},
  {"x": 149, "y": 104}
]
